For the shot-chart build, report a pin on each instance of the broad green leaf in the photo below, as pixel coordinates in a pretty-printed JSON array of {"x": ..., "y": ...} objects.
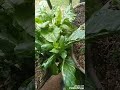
[
  {"x": 51, "y": 36},
  {"x": 77, "y": 35},
  {"x": 48, "y": 62},
  {"x": 68, "y": 73},
  {"x": 69, "y": 14},
  {"x": 105, "y": 19}
]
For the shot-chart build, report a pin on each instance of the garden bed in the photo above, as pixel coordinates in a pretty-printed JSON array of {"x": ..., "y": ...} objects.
[
  {"x": 79, "y": 47},
  {"x": 106, "y": 53},
  {"x": 105, "y": 47}
]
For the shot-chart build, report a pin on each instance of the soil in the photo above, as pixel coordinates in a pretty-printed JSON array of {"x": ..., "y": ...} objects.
[
  {"x": 80, "y": 14},
  {"x": 39, "y": 75},
  {"x": 80, "y": 19},
  {"x": 80, "y": 57},
  {"x": 106, "y": 58}
]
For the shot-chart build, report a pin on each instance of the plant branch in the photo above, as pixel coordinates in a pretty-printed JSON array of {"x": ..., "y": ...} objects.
[{"x": 49, "y": 4}]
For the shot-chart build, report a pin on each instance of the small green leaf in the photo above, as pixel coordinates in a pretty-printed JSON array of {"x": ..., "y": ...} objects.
[
  {"x": 38, "y": 45},
  {"x": 64, "y": 55},
  {"x": 56, "y": 32},
  {"x": 55, "y": 69},
  {"x": 46, "y": 47},
  {"x": 43, "y": 25},
  {"x": 62, "y": 42},
  {"x": 54, "y": 50},
  {"x": 58, "y": 16},
  {"x": 68, "y": 73},
  {"x": 48, "y": 62},
  {"x": 69, "y": 14},
  {"x": 66, "y": 27},
  {"x": 77, "y": 35}
]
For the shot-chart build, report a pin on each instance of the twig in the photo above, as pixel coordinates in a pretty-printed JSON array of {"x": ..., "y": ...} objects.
[{"x": 49, "y": 4}]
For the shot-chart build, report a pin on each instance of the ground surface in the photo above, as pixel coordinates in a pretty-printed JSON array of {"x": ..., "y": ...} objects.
[
  {"x": 78, "y": 48},
  {"x": 106, "y": 58}
]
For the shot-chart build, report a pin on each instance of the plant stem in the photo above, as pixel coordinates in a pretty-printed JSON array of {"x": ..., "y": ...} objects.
[
  {"x": 70, "y": 2},
  {"x": 49, "y": 4}
]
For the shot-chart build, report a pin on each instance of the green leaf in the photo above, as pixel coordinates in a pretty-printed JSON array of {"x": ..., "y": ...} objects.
[
  {"x": 103, "y": 20},
  {"x": 54, "y": 70},
  {"x": 58, "y": 16},
  {"x": 68, "y": 73},
  {"x": 62, "y": 42},
  {"x": 46, "y": 47},
  {"x": 77, "y": 35},
  {"x": 64, "y": 55},
  {"x": 69, "y": 14},
  {"x": 54, "y": 50},
  {"x": 51, "y": 36},
  {"x": 48, "y": 62},
  {"x": 66, "y": 27},
  {"x": 37, "y": 45},
  {"x": 56, "y": 32},
  {"x": 43, "y": 25}
]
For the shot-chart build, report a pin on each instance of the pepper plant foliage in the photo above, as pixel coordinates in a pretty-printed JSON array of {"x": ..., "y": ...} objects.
[{"x": 54, "y": 36}]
